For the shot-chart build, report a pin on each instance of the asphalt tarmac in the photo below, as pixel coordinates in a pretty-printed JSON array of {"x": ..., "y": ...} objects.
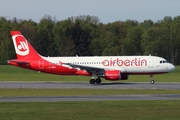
[
  {"x": 85, "y": 85},
  {"x": 91, "y": 98}
]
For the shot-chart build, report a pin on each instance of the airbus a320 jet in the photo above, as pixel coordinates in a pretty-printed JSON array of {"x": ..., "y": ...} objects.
[{"x": 109, "y": 67}]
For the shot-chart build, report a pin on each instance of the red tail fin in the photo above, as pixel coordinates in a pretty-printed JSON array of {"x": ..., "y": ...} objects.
[{"x": 23, "y": 48}]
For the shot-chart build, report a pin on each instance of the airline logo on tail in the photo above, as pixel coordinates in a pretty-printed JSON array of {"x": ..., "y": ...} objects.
[{"x": 21, "y": 45}]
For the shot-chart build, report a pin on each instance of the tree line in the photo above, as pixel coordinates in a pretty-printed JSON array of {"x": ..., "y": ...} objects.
[{"x": 87, "y": 36}]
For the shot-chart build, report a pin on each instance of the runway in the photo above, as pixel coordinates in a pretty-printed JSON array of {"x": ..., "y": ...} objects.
[
  {"x": 85, "y": 85},
  {"x": 90, "y": 98}
]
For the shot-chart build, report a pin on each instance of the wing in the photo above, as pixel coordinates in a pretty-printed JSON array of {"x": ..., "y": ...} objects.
[{"x": 89, "y": 69}]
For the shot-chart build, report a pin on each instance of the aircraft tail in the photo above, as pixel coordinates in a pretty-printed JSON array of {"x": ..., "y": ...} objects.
[{"x": 24, "y": 50}]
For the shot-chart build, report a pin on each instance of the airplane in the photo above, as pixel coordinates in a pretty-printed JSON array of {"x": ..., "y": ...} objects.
[{"x": 111, "y": 68}]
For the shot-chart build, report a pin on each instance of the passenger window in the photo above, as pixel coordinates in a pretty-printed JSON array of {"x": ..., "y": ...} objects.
[{"x": 160, "y": 61}]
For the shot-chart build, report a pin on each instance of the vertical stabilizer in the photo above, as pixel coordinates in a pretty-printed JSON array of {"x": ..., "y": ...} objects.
[{"x": 23, "y": 48}]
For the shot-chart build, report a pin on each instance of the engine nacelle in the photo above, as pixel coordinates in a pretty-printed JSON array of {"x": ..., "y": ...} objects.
[
  {"x": 112, "y": 74},
  {"x": 115, "y": 75}
]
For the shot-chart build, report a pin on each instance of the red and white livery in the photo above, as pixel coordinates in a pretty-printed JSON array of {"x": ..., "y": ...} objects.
[{"x": 108, "y": 67}]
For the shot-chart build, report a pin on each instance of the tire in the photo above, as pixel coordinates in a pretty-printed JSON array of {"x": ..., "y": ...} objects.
[
  {"x": 152, "y": 81},
  {"x": 92, "y": 81},
  {"x": 98, "y": 80}
]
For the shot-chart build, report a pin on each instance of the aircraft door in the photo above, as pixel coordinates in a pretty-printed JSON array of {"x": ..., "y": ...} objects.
[
  {"x": 41, "y": 64},
  {"x": 151, "y": 62}
]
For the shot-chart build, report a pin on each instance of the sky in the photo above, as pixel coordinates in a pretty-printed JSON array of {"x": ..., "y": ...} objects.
[{"x": 106, "y": 10}]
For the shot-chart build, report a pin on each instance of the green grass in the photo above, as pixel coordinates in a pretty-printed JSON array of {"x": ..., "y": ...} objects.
[
  {"x": 99, "y": 110},
  {"x": 11, "y": 73},
  {"x": 75, "y": 92}
]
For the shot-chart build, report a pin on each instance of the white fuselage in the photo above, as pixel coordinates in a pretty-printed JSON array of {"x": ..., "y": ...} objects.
[{"x": 126, "y": 64}]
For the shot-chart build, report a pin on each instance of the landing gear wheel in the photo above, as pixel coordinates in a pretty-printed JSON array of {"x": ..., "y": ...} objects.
[
  {"x": 92, "y": 81},
  {"x": 152, "y": 81},
  {"x": 98, "y": 80}
]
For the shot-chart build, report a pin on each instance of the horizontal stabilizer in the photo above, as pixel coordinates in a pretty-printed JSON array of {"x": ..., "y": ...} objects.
[{"x": 18, "y": 62}]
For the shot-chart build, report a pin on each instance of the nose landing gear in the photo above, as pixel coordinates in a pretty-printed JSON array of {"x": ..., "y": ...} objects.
[{"x": 151, "y": 79}]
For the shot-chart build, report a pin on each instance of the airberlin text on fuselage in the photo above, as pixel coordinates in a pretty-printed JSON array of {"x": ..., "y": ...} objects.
[{"x": 125, "y": 62}]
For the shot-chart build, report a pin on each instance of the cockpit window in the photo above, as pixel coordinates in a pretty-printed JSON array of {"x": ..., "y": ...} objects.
[{"x": 164, "y": 61}]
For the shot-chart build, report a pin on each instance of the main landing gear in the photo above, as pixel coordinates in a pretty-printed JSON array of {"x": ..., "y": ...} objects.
[
  {"x": 151, "y": 79},
  {"x": 93, "y": 81}
]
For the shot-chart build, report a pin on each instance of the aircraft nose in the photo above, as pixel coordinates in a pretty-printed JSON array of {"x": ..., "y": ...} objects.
[{"x": 171, "y": 67}]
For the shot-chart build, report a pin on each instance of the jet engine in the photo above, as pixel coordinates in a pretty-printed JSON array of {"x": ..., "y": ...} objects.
[{"x": 115, "y": 75}]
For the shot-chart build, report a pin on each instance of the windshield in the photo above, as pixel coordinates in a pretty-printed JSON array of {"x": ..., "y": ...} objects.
[{"x": 164, "y": 61}]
